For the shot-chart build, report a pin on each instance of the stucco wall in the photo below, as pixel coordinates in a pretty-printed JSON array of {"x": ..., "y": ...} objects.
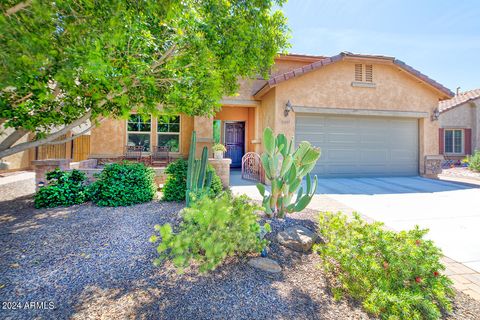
[
  {"x": 331, "y": 87},
  {"x": 266, "y": 116},
  {"x": 460, "y": 117},
  {"x": 247, "y": 87},
  {"x": 108, "y": 139}
]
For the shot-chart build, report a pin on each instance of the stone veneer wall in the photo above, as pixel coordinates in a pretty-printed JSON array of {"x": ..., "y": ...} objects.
[
  {"x": 222, "y": 167},
  {"x": 433, "y": 166}
]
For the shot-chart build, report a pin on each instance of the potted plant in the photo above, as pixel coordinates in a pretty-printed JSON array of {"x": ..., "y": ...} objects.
[{"x": 218, "y": 150}]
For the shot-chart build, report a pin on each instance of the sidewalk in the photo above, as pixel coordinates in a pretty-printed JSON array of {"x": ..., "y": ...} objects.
[{"x": 9, "y": 177}]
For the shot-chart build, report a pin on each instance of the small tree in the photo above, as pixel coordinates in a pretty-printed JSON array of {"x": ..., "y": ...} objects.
[{"x": 66, "y": 63}]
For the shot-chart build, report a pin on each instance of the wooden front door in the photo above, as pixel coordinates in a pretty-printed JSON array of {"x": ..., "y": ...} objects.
[{"x": 235, "y": 142}]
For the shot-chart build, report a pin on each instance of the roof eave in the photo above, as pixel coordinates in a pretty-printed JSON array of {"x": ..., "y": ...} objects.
[{"x": 445, "y": 93}]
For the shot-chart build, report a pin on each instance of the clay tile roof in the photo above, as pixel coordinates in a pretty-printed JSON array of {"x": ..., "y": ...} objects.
[
  {"x": 459, "y": 99},
  {"x": 329, "y": 60}
]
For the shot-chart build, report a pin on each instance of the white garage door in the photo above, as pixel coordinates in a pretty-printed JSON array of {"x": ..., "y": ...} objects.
[{"x": 358, "y": 146}]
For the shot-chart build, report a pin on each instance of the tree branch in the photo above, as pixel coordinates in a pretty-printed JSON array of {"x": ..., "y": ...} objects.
[
  {"x": 165, "y": 56},
  {"x": 12, "y": 138},
  {"x": 31, "y": 144},
  {"x": 76, "y": 135},
  {"x": 17, "y": 7},
  {"x": 23, "y": 99}
]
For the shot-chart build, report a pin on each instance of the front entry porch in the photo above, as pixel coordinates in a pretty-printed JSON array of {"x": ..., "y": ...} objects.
[{"x": 233, "y": 126}]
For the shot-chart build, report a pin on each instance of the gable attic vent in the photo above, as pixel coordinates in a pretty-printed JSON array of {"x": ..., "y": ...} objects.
[
  {"x": 368, "y": 73},
  {"x": 358, "y": 72},
  {"x": 363, "y": 76}
]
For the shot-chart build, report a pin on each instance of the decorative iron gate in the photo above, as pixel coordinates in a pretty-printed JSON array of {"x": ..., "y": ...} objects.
[{"x": 252, "y": 168}]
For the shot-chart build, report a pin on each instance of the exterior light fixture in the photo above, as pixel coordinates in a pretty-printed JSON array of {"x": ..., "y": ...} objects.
[
  {"x": 435, "y": 114},
  {"x": 41, "y": 184},
  {"x": 288, "y": 108}
]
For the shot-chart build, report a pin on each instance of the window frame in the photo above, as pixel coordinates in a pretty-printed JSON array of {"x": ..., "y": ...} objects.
[
  {"x": 462, "y": 142},
  {"x": 128, "y": 132},
  {"x": 179, "y": 133}
]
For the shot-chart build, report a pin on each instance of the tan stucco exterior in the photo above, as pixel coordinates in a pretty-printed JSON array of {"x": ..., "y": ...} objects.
[
  {"x": 331, "y": 87},
  {"x": 464, "y": 116}
]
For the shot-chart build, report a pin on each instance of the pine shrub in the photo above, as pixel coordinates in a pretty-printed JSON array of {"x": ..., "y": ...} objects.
[{"x": 394, "y": 275}]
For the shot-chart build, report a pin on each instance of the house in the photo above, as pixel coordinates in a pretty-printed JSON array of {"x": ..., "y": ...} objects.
[
  {"x": 371, "y": 115},
  {"x": 459, "y": 133}
]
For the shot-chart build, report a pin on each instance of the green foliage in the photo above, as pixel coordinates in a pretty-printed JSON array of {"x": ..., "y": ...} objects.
[
  {"x": 64, "y": 188},
  {"x": 395, "y": 275},
  {"x": 286, "y": 171},
  {"x": 124, "y": 184},
  {"x": 219, "y": 147},
  {"x": 216, "y": 187},
  {"x": 176, "y": 185},
  {"x": 211, "y": 231},
  {"x": 474, "y": 161},
  {"x": 198, "y": 179},
  {"x": 61, "y": 60}
]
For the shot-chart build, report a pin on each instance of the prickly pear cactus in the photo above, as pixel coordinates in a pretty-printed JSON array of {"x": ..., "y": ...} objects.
[
  {"x": 198, "y": 179},
  {"x": 286, "y": 170}
]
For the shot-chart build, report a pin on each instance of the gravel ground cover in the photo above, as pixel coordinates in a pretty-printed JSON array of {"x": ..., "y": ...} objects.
[
  {"x": 461, "y": 172},
  {"x": 93, "y": 263}
]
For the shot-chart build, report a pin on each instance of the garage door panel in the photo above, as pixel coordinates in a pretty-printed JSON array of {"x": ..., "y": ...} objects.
[
  {"x": 404, "y": 155},
  {"x": 344, "y": 138},
  {"x": 341, "y": 155},
  {"x": 373, "y": 156},
  {"x": 361, "y": 146}
]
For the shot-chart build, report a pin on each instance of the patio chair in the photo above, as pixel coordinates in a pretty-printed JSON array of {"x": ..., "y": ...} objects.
[
  {"x": 133, "y": 153},
  {"x": 160, "y": 156}
]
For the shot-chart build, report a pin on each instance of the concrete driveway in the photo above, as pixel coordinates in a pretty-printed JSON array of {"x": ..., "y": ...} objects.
[{"x": 450, "y": 210}]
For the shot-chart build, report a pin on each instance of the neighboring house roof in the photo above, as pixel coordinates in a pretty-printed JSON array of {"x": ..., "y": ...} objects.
[
  {"x": 272, "y": 82},
  {"x": 458, "y": 100},
  {"x": 299, "y": 57}
]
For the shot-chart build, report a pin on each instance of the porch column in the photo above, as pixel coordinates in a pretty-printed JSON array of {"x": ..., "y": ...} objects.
[
  {"x": 222, "y": 168},
  {"x": 204, "y": 129}
]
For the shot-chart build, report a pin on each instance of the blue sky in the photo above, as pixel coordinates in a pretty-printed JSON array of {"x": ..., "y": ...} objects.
[{"x": 439, "y": 38}]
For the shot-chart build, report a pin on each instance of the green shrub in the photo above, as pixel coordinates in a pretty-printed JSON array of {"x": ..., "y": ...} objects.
[
  {"x": 65, "y": 188},
  {"x": 474, "y": 161},
  {"x": 211, "y": 231},
  {"x": 176, "y": 184},
  {"x": 395, "y": 275},
  {"x": 123, "y": 184}
]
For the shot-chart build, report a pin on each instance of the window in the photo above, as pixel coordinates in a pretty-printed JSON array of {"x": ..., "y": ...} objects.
[
  {"x": 454, "y": 141},
  {"x": 138, "y": 131},
  {"x": 168, "y": 131}
]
